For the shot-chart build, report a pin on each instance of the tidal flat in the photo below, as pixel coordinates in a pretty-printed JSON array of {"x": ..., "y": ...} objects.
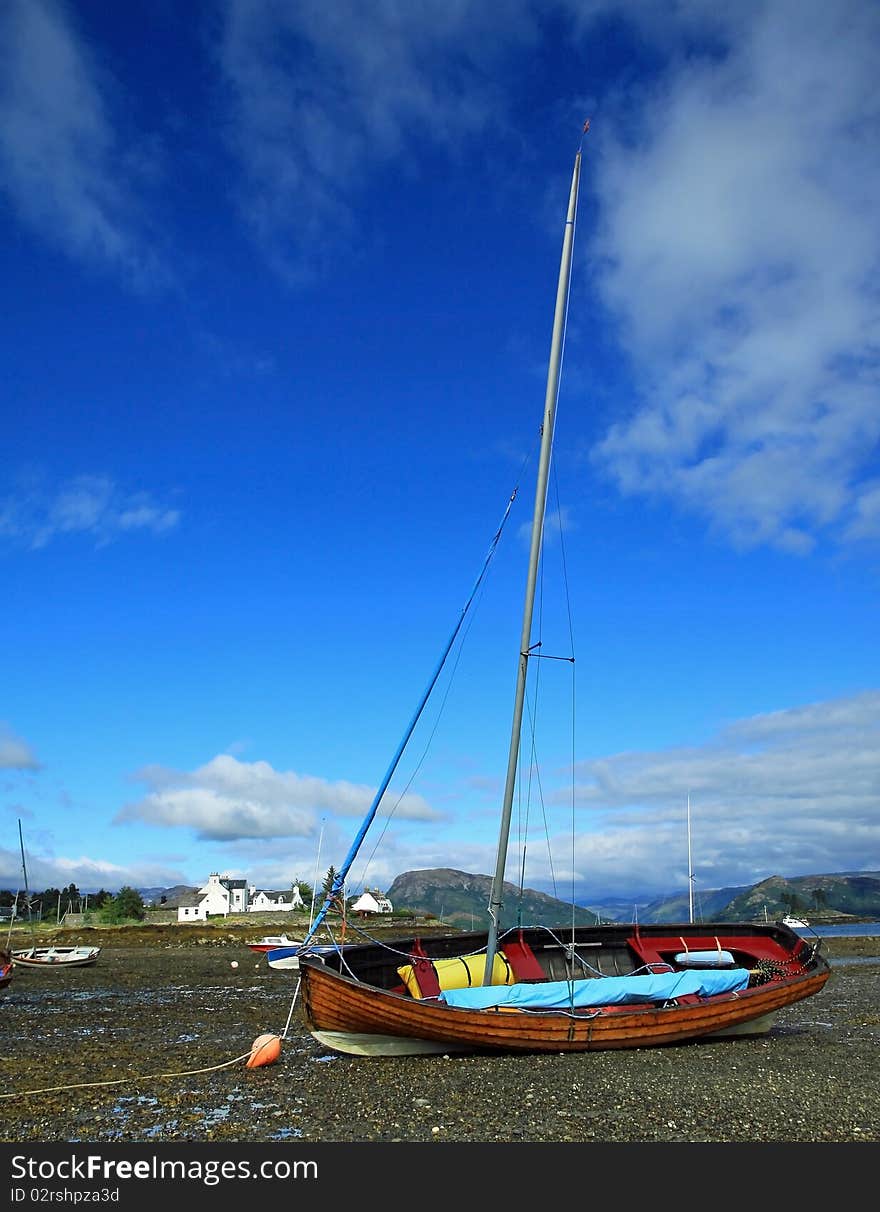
[{"x": 150, "y": 1045}]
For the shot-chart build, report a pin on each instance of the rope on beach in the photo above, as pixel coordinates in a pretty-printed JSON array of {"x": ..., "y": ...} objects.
[{"x": 118, "y": 1081}]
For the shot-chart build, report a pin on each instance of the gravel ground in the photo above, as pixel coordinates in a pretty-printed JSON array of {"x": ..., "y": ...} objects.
[{"x": 149, "y": 1045}]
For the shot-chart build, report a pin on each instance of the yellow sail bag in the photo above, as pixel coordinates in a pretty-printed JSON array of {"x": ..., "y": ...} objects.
[{"x": 461, "y": 972}]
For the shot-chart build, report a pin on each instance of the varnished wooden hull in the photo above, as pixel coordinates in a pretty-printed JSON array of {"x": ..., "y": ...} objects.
[{"x": 364, "y": 1019}]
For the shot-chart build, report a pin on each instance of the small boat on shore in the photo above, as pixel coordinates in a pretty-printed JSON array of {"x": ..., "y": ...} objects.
[
  {"x": 270, "y": 941},
  {"x": 287, "y": 958},
  {"x": 795, "y": 923},
  {"x": 56, "y": 957}
]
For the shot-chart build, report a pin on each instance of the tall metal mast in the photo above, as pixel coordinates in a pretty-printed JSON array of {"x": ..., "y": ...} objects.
[
  {"x": 690, "y": 866},
  {"x": 497, "y": 893},
  {"x": 27, "y": 893}
]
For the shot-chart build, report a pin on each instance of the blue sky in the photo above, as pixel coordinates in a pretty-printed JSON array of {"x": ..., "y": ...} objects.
[{"x": 279, "y": 282}]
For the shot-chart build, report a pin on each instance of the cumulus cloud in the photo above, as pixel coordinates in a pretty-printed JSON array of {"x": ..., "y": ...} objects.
[
  {"x": 46, "y": 870},
  {"x": 227, "y": 800},
  {"x": 791, "y": 792},
  {"x": 738, "y": 249},
  {"x": 91, "y": 505}
]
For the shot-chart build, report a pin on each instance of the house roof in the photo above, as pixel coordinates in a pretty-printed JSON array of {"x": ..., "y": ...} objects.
[
  {"x": 189, "y": 900},
  {"x": 368, "y": 898}
]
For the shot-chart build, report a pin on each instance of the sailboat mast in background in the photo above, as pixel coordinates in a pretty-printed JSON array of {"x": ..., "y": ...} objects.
[{"x": 27, "y": 894}]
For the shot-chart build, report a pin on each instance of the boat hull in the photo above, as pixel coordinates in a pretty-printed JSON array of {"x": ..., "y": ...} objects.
[
  {"x": 354, "y": 1043},
  {"x": 272, "y": 942},
  {"x": 360, "y": 1017},
  {"x": 286, "y": 959},
  {"x": 56, "y": 957}
]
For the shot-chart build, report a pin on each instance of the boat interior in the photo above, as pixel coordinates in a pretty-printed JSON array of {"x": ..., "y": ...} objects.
[{"x": 423, "y": 968}]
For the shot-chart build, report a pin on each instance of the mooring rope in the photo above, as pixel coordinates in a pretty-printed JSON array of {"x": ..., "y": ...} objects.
[{"x": 118, "y": 1081}]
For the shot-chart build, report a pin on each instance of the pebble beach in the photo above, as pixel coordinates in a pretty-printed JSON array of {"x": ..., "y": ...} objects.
[{"x": 150, "y": 1045}]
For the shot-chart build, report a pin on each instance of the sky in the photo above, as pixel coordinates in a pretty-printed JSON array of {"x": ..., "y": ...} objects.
[{"x": 279, "y": 284}]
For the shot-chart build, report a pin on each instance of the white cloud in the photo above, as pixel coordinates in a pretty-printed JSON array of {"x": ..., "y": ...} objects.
[
  {"x": 788, "y": 793},
  {"x": 738, "y": 249},
  {"x": 87, "y": 505},
  {"x": 58, "y": 871},
  {"x": 227, "y": 800},
  {"x": 792, "y": 792}
]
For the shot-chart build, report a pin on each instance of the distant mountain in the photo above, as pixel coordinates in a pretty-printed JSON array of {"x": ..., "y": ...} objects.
[
  {"x": 166, "y": 898},
  {"x": 672, "y": 907},
  {"x": 460, "y": 899},
  {"x": 850, "y": 895}
]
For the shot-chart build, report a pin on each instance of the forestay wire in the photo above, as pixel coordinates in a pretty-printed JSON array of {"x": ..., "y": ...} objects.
[{"x": 341, "y": 875}]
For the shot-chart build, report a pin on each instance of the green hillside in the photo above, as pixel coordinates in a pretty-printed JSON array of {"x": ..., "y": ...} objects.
[{"x": 460, "y": 899}]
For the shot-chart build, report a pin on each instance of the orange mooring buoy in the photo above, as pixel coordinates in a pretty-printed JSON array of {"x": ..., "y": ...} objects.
[{"x": 265, "y": 1050}]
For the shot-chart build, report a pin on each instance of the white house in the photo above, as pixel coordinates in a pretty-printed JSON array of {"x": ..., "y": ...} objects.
[
  {"x": 221, "y": 896},
  {"x": 372, "y": 902},
  {"x": 191, "y": 909},
  {"x": 262, "y": 900}
]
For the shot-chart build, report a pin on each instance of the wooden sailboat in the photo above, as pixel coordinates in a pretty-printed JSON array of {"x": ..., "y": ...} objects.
[{"x": 533, "y": 989}]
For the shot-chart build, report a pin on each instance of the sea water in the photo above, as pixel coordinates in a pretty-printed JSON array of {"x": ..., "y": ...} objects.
[
  {"x": 842, "y": 930},
  {"x": 845, "y": 930}
]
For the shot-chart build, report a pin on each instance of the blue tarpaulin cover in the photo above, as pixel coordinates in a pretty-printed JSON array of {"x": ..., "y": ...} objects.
[{"x": 599, "y": 991}]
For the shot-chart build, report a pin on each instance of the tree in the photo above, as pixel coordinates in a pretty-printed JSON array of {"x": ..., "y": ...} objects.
[
  {"x": 69, "y": 899},
  {"x": 305, "y": 890},
  {"x": 128, "y": 904},
  {"x": 327, "y": 886}
]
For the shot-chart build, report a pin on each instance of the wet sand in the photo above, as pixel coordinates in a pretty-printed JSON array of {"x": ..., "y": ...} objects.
[{"x": 150, "y": 1044}]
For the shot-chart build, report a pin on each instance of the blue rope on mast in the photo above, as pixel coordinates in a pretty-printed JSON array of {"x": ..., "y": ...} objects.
[{"x": 339, "y": 881}]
